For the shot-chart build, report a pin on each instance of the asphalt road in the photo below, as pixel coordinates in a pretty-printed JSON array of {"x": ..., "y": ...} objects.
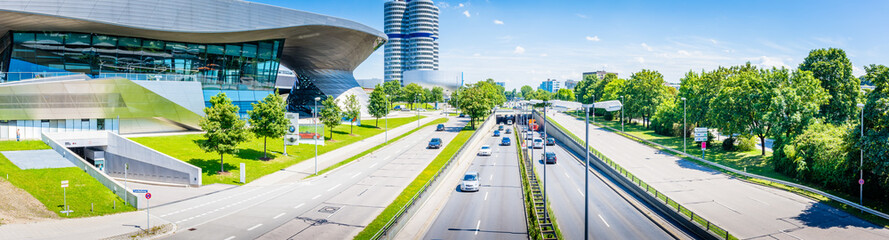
[
  {"x": 610, "y": 216},
  {"x": 495, "y": 211},
  {"x": 335, "y": 206}
]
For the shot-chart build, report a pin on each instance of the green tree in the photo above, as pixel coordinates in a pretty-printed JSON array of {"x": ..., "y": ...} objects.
[
  {"x": 565, "y": 94},
  {"x": 378, "y": 105},
  {"x": 543, "y": 95},
  {"x": 876, "y": 132},
  {"x": 224, "y": 130},
  {"x": 667, "y": 118},
  {"x": 352, "y": 111},
  {"x": 267, "y": 119},
  {"x": 393, "y": 89},
  {"x": 834, "y": 70},
  {"x": 527, "y": 92},
  {"x": 437, "y": 95},
  {"x": 585, "y": 89},
  {"x": 331, "y": 115},
  {"x": 646, "y": 90},
  {"x": 412, "y": 93},
  {"x": 820, "y": 155},
  {"x": 476, "y": 102}
]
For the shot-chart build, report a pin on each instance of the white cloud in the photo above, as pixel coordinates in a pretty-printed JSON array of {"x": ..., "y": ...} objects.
[
  {"x": 519, "y": 50},
  {"x": 477, "y": 55},
  {"x": 580, "y": 15},
  {"x": 768, "y": 62},
  {"x": 856, "y": 71},
  {"x": 467, "y": 13},
  {"x": 713, "y": 41},
  {"x": 593, "y": 38},
  {"x": 443, "y": 5},
  {"x": 640, "y": 59},
  {"x": 498, "y": 22},
  {"x": 544, "y": 55},
  {"x": 683, "y": 53},
  {"x": 460, "y": 5},
  {"x": 647, "y": 47}
]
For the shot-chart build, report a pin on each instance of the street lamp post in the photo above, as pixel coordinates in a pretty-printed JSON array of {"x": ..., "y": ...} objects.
[
  {"x": 622, "y": 113},
  {"x": 418, "y": 111},
  {"x": 861, "y": 160},
  {"x": 586, "y": 176},
  {"x": 387, "y": 118},
  {"x": 315, "y": 119},
  {"x": 594, "y": 109},
  {"x": 684, "y": 128},
  {"x": 545, "y": 213}
]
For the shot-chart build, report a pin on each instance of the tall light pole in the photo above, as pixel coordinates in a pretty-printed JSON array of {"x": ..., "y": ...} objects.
[
  {"x": 315, "y": 118},
  {"x": 594, "y": 109},
  {"x": 417, "y": 98},
  {"x": 861, "y": 162},
  {"x": 684, "y": 128},
  {"x": 387, "y": 118},
  {"x": 622, "y": 113},
  {"x": 545, "y": 213},
  {"x": 586, "y": 175}
]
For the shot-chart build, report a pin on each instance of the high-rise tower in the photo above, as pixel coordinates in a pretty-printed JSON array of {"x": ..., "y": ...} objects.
[{"x": 412, "y": 28}]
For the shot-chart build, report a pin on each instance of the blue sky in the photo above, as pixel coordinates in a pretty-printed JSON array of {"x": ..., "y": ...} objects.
[{"x": 523, "y": 42}]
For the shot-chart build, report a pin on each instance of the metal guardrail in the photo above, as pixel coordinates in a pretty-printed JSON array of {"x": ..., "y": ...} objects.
[
  {"x": 754, "y": 176},
  {"x": 385, "y": 230},
  {"x": 544, "y": 223}
]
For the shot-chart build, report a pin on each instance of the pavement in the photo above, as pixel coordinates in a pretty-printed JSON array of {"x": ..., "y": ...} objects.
[
  {"x": 610, "y": 215},
  {"x": 494, "y": 212},
  {"x": 746, "y": 210},
  {"x": 37, "y": 159}
]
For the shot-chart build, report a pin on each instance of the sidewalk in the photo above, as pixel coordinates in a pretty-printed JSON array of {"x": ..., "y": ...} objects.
[
  {"x": 746, "y": 210},
  {"x": 81, "y": 228}
]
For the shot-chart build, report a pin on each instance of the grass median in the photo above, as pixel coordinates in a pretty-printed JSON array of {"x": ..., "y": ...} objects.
[
  {"x": 185, "y": 148},
  {"x": 362, "y": 154},
  {"x": 85, "y": 195},
  {"x": 417, "y": 185}
]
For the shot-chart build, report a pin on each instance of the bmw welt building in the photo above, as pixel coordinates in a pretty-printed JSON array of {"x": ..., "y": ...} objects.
[{"x": 152, "y": 65}]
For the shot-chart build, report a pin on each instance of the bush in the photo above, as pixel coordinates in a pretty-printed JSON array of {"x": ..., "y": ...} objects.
[
  {"x": 820, "y": 154},
  {"x": 728, "y": 144},
  {"x": 746, "y": 143},
  {"x": 665, "y": 118}
]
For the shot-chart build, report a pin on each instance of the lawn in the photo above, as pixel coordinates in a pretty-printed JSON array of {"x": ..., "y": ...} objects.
[
  {"x": 185, "y": 148},
  {"x": 417, "y": 185},
  {"x": 44, "y": 185}
]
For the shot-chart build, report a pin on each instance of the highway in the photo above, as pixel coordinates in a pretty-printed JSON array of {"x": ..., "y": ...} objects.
[
  {"x": 610, "y": 216},
  {"x": 495, "y": 211},
  {"x": 334, "y": 206}
]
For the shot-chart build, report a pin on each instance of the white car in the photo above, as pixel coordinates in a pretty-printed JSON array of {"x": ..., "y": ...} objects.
[
  {"x": 485, "y": 151},
  {"x": 470, "y": 182},
  {"x": 537, "y": 143},
  {"x": 529, "y": 135}
]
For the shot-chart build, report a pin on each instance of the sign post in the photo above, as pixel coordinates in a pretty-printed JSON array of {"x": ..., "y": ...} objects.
[
  {"x": 147, "y": 211},
  {"x": 65, "y": 197},
  {"x": 701, "y": 136},
  {"x": 703, "y": 149},
  {"x": 243, "y": 173}
]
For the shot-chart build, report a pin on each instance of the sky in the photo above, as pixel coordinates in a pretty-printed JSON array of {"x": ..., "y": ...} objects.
[{"x": 524, "y": 42}]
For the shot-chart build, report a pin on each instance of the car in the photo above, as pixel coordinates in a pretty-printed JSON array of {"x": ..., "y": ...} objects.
[
  {"x": 550, "y": 158},
  {"x": 500, "y": 127},
  {"x": 509, "y": 122},
  {"x": 462, "y": 115},
  {"x": 508, "y": 130},
  {"x": 496, "y": 133},
  {"x": 550, "y": 141},
  {"x": 440, "y": 127},
  {"x": 434, "y": 143},
  {"x": 470, "y": 182},
  {"x": 529, "y": 136},
  {"x": 505, "y": 141},
  {"x": 485, "y": 151},
  {"x": 421, "y": 109},
  {"x": 537, "y": 143}
]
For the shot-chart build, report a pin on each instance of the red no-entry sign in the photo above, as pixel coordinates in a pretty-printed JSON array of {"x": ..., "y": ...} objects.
[{"x": 147, "y": 195}]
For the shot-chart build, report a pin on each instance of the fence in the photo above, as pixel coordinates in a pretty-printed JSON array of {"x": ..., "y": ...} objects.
[{"x": 538, "y": 218}]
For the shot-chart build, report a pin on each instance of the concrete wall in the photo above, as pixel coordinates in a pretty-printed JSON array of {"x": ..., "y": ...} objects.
[
  {"x": 103, "y": 178},
  {"x": 146, "y": 163}
]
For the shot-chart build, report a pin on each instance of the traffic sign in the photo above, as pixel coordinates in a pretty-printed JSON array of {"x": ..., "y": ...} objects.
[
  {"x": 700, "y": 139},
  {"x": 860, "y": 181},
  {"x": 64, "y": 183},
  {"x": 147, "y": 195},
  {"x": 700, "y": 130},
  {"x": 140, "y": 190},
  {"x": 703, "y": 145},
  {"x": 701, "y": 134}
]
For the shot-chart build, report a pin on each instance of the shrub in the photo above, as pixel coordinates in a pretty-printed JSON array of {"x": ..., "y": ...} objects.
[
  {"x": 728, "y": 144},
  {"x": 746, "y": 143},
  {"x": 820, "y": 155}
]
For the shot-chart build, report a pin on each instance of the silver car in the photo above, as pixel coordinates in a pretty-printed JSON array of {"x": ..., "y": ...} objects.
[{"x": 470, "y": 182}]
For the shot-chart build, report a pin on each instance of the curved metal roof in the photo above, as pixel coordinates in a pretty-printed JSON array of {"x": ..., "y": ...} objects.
[{"x": 312, "y": 41}]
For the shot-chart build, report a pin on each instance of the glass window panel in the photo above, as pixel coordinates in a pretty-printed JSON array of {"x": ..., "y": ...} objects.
[
  {"x": 215, "y": 49},
  {"x": 78, "y": 39},
  {"x": 275, "y": 47},
  {"x": 175, "y": 47},
  {"x": 196, "y": 49},
  {"x": 130, "y": 42},
  {"x": 23, "y": 37},
  {"x": 249, "y": 50},
  {"x": 104, "y": 41},
  {"x": 49, "y": 38},
  {"x": 265, "y": 50},
  {"x": 153, "y": 44},
  {"x": 233, "y": 50}
]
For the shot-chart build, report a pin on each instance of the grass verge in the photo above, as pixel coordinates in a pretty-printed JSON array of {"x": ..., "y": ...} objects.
[
  {"x": 531, "y": 216},
  {"x": 86, "y": 196},
  {"x": 417, "y": 185},
  {"x": 362, "y": 154},
  {"x": 185, "y": 148}
]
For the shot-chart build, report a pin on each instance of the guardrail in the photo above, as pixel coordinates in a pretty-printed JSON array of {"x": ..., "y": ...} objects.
[
  {"x": 697, "y": 224},
  {"x": 545, "y": 227},
  {"x": 393, "y": 225},
  {"x": 753, "y": 176}
]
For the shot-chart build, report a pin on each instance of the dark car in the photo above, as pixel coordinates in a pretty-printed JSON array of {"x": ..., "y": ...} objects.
[
  {"x": 462, "y": 115},
  {"x": 550, "y": 157},
  {"x": 550, "y": 141},
  {"x": 500, "y": 127},
  {"x": 505, "y": 141},
  {"x": 440, "y": 127},
  {"x": 435, "y": 143},
  {"x": 496, "y": 133}
]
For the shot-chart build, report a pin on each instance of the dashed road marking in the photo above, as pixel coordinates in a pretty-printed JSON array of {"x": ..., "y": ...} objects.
[
  {"x": 316, "y": 197},
  {"x": 477, "y": 229},
  {"x": 277, "y": 216},
  {"x": 581, "y": 193},
  {"x": 373, "y": 165},
  {"x": 486, "y": 196},
  {"x": 300, "y": 205},
  {"x": 603, "y": 220},
  {"x": 230, "y": 238},
  {"x": 334, "y": 187},
  {"x": 254, "y": 227},
  {"x": 353, "y": 176}
]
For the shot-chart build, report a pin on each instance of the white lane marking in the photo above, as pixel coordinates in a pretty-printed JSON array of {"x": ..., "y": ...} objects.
[
  {"x": 581, "y": 193},
  {"x": 300, "y": 205},
  {"x": 254, "y": 227},
  {"x": 230, "y": 238},
  {"x": 387, "y": 156},
  {"x": 373, "y": 165},
  {"x": 334, "y": 187},
  {"x": 316, "y": 197},
  {"x": 492, "y": 177},
  {"x": 353, "y": 176},
  {"x": 486, "y": 196},
  {"x": 603, "y": 220},
  {"x": 477, "y": 229},
  {"x": 277, "y": 216},
  {"x": 566, "y": 174}
]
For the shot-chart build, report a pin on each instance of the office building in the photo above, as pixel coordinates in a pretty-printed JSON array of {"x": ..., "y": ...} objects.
[
  {"x": 551, "y": 85},
  {"x": 599, "y": 74},
  {"x": 412, "y": 28},
  {"x": 81, "y": 65},
  {"x": 570, "y": 84}
]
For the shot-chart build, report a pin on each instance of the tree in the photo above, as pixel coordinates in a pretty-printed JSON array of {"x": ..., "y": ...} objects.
[
  {"x": 542, "y": 95},
  {"x": 331, "y": 114},
  {"x": 267, "y": 119},
  {"x": 437, "y": 95},
  {"x": 834, "y": 70},
  {"x": 412, "y": 93},
  {"x": 527, "y": 92},
  {"x": 352, "y": 111},
  {"x": 475, "y": 102},
  {"x": 585, "y": 89},
  {"x": 876, "y": 132},
  {"x": 393, "y": 89},
  {"x": 565, "y": 94},
  {"x": 224, "y": 130},
  {"x": 378, "y": 105},
  {"x": 646, "y": 90}
]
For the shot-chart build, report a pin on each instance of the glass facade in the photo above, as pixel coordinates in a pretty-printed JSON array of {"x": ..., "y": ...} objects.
[{"x": 224, "y": 66}]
